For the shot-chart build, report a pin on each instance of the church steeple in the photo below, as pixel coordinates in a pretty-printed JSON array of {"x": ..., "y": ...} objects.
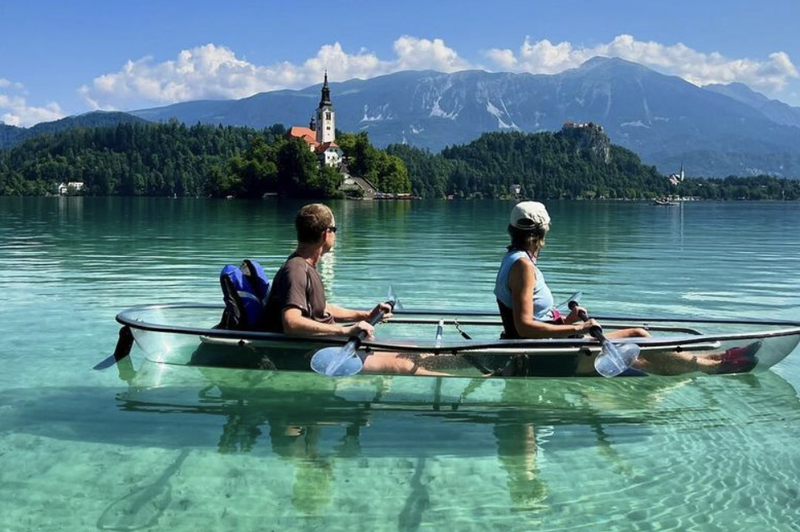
[
  {"x": 326, "y": 118},
  {"x": 326, "y": 92}
]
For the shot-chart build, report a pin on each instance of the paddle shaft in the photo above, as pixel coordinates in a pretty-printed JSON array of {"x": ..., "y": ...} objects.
[
  {"x": 595, "y": 331},
  {"x": 356, "y": 340}
]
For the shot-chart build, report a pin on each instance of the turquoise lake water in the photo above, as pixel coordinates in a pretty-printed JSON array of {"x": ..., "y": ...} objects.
[{"x": 181, "y": 448}]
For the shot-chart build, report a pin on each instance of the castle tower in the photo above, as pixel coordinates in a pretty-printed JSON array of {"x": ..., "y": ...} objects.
[{"x": 326, "y": 117}]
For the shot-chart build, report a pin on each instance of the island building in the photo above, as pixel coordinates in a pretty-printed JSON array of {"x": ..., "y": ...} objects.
[
  {"x": 320, "y": 136},
  {"x": 674, "y": 179}
]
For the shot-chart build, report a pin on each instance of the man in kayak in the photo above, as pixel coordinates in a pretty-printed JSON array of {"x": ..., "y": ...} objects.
[
  {"x": 527, "y": 311},
  {"x": 297, "y": 305}
]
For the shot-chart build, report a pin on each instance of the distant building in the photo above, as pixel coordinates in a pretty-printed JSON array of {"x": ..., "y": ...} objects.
[
  {"x": 677, "y": 178},
  {"x": 356, "y": 186},
  {"x": 70, "y": 187},
  {"x": 320, "y": 135},
  {"x": 569, "y": 124}
]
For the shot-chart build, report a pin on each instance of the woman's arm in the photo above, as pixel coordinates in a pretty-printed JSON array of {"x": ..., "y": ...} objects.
[{"x": 521, "y": 281}]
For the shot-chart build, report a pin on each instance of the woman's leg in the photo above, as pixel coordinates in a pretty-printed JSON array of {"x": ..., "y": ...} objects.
[{"x": 734, "y": 360}]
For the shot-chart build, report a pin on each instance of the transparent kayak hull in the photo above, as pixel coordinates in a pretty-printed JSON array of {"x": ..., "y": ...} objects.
[{"x": 185, "y": 334}]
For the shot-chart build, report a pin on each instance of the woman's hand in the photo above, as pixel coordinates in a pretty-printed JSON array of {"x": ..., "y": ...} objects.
[
  {"x": 575, "y": 314},
  {"x": 586, "y": 325}
]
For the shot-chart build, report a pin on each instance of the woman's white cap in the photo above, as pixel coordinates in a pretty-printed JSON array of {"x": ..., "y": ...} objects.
[{"x": 530, "y": 214}]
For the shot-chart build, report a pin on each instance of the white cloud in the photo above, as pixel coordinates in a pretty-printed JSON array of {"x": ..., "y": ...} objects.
[
  {"x": 15, "y": 110},
  {"x": 421, "y": 54},
  {"x": 215, "y": 72},
  {"x": 543, "y": 57}
]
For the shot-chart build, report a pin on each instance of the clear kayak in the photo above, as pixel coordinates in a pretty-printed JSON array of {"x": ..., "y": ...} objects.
[{"x": 454, "y": 343}]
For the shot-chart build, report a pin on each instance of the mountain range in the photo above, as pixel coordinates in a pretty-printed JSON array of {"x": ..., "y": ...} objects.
[{"x": 714, "y": 131}]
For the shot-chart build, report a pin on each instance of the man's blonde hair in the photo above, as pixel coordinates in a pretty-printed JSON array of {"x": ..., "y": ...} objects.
[{"x": 312, "y": 220}]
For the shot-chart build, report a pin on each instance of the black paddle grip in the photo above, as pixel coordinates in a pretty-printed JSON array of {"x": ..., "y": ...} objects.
[{"x": 596, "y": 331}]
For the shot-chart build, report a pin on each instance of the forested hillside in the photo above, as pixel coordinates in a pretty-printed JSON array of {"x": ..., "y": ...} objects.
[
  {"x": 173, "y": 159},
  {"x": 573, "y": 163},
  {"x": 219, "y": 161}
]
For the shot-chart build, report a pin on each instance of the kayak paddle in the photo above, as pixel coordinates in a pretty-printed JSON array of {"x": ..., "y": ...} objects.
[
  {"x": 613, "y": 359},
  {"x": 344, "y": 361}
]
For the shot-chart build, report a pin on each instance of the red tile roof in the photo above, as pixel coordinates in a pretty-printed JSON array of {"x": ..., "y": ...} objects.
[{"x": 305, "y": 133}]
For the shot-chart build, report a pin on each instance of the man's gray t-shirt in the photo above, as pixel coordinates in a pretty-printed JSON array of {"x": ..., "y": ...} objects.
[{"x": 296, "y": 285}]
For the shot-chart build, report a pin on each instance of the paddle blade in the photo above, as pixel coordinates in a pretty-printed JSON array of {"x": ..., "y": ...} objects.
[
  {"x": 123, "y": 349},
  {"x": 563, "y": 307},
  {"x": 393, "y": 299},
  {"x": 614, "y": 359},
  {"x": 337, "y": 361}
]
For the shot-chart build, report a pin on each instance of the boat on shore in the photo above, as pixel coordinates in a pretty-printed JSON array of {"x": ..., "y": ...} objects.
[
  {"x": 664, "y": 202},
  {"x": 453, "y": 342}
]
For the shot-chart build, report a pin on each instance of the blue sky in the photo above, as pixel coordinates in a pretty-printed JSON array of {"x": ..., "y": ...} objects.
[{"x": 66, "y": 57}]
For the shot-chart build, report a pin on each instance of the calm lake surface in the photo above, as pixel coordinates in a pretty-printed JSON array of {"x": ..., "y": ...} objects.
[{"x": 200, "y": 449}]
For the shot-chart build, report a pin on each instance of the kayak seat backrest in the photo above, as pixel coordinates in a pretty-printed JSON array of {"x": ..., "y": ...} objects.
[{"x": 245, "y": 290}]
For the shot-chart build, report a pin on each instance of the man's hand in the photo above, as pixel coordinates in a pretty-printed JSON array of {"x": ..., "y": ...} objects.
[
  {"x": 356, "y": 328},
  {"x": 381, "y": 307}
]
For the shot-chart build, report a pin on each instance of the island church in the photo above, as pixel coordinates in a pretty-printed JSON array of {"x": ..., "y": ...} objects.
[{"x": 320, "y": 135}]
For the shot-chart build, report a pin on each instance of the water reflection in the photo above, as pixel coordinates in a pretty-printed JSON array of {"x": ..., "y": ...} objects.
[
  {"x": 319, "y": 436},
  {"x": 314, "y": 423}
]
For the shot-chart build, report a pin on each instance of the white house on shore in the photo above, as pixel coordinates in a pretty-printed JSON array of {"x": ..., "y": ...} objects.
[{"x": 70, "y": 187}]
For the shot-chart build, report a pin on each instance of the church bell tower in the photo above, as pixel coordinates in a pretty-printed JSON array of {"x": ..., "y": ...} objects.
[{"x": 326, "y": 118}]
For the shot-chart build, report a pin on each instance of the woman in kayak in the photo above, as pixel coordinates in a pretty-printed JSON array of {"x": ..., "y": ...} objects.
[{"x": 527, "y": 310}]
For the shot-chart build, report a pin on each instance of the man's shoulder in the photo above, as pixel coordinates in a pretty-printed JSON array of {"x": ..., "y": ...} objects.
[
  {"x": 291, "y": 271},
  {"x": 295, "y": 263}
]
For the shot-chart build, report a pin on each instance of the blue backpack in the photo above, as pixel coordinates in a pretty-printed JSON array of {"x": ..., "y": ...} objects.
[{"x": 245, "y": 290}]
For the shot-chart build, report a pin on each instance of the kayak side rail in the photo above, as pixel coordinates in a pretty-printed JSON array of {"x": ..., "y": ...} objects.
[
  {"x": 498, "y": 323},
  {"x": 456, "y": 348},
  {"x": 441, "y": 313},
  {"x": 606, "y": 317}
]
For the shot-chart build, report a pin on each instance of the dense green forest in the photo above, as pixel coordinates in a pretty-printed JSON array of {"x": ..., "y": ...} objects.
[
  {"x": 575, "y": 163},
  {"x": 215, "y": 161},
  {"x": 173, "y": 159}
]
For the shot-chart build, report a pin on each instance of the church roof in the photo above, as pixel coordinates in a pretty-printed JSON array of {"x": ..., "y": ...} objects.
[
  {"x": 305, "y": 133},
  {"x": 325, "y": 146}
]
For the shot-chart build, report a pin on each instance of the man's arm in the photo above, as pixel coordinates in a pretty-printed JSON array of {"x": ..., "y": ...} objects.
[
  {"x": 341, "y": 314},
  {"x": 349, "y": 315},
  {"x": 294, "y": 323}
]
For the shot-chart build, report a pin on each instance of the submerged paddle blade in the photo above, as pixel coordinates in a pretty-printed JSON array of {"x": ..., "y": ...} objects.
[
  {"x": 614, "y": 359},
  {"x": 123, "y": 349},
  {"x": 337, "y": 361}
]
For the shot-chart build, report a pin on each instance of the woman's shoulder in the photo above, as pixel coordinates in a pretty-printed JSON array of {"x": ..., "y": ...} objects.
[
  {"x": 523, "y": 263},
  {"x": 516, "y": 256}
]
